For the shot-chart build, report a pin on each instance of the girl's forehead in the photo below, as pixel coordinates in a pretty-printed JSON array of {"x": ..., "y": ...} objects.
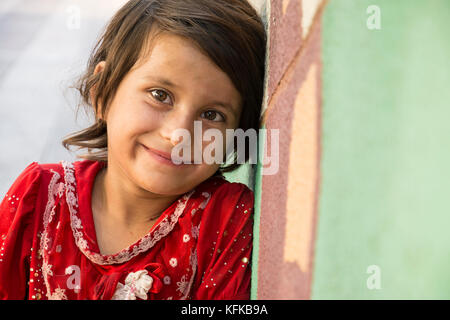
[
  {"x": 167, "y": 48},
  {"x": 178, "y": 62}
]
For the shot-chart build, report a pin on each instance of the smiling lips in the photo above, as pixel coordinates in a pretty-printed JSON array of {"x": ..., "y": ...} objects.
[
  {"x": 162, "y": 157},
  {"x": 160, "y": 153}
]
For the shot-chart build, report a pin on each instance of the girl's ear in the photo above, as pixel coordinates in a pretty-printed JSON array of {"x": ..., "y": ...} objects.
[{"x": 98, "y": 68}]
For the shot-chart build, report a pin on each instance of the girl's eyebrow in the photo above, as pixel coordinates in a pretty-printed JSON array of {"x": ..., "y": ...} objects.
[
  {"x": 162, "y": 80},
  {"x": 223, "y": 104}
]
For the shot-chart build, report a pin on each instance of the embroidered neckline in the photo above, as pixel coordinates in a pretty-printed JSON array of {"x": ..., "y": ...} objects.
[{"x": 158, "y": 231}]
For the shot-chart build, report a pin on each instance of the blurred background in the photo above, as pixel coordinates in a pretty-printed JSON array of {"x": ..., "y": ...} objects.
[
  {"x": 360, "y": 94},
  {"x": 360, "y": 91},
  {"x": 44, "y": 47}
]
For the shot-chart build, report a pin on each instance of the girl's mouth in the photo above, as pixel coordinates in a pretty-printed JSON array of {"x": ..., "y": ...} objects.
[{"x": 162, "y": 157}]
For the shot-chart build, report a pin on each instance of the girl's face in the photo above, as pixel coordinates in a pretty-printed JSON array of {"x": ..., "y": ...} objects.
[{"x": 168, "y": 89}]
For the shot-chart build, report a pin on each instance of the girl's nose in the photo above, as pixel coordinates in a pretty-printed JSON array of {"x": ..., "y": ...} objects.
[{"x": 173, "y": 122}]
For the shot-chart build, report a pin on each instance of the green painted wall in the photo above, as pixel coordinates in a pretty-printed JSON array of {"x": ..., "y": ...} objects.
[
  {"x": 251, "y": 176},
  {"x": 244, "y": 174},
  {"x": 385, "y": 151}
]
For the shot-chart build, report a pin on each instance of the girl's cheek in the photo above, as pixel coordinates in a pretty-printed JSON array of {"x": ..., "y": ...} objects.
[
  {"x": 147, "y": 117},
  {"x": 151, "y": 112}
]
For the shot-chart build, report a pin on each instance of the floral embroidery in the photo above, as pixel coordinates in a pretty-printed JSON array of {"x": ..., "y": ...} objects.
[
  {"x": 173, "y": 262},
  {"x": 59, "y": 294},
  {"x": 47, "y": 269},
  {"x": 182, "y": 285},
  {"x": 72, "y": 202},
  {"x": 161, "y": 230},
  {"x": 195, "y": 230},
  {"x": 186, "y": 238},
  {"x": 137, "y": 284},
  {"x": 53, "y": 190},
  {"x": 207, "y": 195}
]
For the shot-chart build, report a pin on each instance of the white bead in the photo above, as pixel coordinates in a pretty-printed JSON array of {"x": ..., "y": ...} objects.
[{"x": 173, "y": 262}]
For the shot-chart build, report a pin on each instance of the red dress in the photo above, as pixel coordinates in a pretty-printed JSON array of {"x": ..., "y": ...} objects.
[{"x": 199, "y": 248}]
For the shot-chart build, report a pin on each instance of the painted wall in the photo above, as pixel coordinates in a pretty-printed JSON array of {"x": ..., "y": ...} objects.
[
  {"x": 359, "y": 93},
  {"x": 385, "y": 152},
  {"x": 286, "y": 201}
]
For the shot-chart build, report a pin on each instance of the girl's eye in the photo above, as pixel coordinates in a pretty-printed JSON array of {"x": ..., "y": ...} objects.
[
  {"x": 211, "y": 115},
  {"x": 160, "y": 95}
]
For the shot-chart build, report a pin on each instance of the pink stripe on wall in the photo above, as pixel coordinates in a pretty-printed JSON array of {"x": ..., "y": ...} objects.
[{"x": 288, "y": 213}]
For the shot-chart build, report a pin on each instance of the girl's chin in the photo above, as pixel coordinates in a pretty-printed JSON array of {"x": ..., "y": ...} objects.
[
  {"x": 161, "y": 183},
  {"x": 159, "y": 179}
]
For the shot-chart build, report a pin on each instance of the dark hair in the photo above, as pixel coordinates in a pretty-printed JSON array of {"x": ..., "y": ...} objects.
[{"x": 229, "y": 32}]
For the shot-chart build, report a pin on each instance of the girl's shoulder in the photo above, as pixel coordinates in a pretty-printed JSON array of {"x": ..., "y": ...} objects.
[
  {"x": 224, "y": 200},
  {"x": 29, "y": 179},
  {"x": 39, "y": 175},
  {"x": 25, "y": 196}
]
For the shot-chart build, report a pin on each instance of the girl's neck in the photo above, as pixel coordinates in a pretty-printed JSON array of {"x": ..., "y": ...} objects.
[{"x": 117, "y": 199}]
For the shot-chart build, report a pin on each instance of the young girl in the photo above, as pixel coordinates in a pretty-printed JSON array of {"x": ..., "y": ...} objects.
[{"x": 126, "y": 222}]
